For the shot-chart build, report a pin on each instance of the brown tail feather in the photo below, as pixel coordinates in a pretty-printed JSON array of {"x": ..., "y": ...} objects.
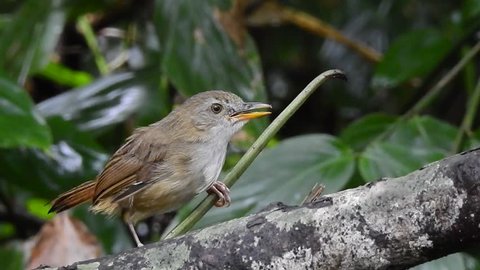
[{"x": 73, "y": 197}]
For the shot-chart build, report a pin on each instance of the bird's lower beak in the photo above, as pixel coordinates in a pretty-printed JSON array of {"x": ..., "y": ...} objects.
[{"x": 252, "y": 110}]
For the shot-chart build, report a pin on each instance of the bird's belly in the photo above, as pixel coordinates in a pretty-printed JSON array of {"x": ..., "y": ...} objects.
[
  {"x": 168, "y": 194},
  {"x": 161, "y": 197}
]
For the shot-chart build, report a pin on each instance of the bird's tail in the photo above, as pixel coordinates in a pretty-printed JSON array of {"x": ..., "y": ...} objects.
[{"x": 73, "y": 197}]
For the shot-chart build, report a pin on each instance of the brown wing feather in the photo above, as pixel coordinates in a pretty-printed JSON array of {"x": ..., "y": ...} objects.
[{"x": 127, "y": 166}]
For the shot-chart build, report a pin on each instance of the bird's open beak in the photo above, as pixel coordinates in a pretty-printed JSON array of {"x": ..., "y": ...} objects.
[{"x": 252, "y": 110}]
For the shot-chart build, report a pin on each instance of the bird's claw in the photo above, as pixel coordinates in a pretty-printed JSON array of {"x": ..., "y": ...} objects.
[{"x": 223, "y": 193}]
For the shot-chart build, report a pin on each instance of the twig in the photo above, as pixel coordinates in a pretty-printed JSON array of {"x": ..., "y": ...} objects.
[
  {"x": 433, "y": 92},
  {"x": 87, "y": 31},
  {"x": 255, "y": 149},
  {"x": 466, "y": 126},
  {"x": 320, "y": 28},
  {"x": 437, "y": 88},
  {"x": 314, "y": 194}
]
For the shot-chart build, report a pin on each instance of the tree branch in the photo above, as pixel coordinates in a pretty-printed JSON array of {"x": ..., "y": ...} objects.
[{"x": 391, "y": 223}]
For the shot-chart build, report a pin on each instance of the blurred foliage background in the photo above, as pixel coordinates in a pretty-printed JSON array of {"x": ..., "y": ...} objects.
[{"x": 76, "y": 77}]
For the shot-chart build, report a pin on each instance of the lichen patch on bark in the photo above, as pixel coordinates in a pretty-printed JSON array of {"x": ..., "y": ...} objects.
[{"x": 171, "y": 257}]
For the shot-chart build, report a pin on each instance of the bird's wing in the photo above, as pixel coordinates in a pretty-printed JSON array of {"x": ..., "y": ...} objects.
[{"x": 129, "y": 168}]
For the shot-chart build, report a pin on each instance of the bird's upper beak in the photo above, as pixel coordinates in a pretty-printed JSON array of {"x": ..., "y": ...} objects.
[{"x": 251, "y": 110}]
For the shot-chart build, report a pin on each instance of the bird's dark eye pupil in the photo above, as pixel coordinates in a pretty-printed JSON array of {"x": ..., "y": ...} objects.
[{"x": 216, "y": 108}]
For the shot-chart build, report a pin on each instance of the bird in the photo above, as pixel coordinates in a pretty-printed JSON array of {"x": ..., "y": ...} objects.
[{"x": 162, "y": 166}]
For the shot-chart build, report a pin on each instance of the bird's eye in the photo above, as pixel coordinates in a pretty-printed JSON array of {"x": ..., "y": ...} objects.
[{"x": 216, "y": 108}]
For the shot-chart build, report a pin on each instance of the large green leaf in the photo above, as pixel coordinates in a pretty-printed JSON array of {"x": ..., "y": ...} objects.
[
  {"x": 74, "y": 158},
  {"x": 31, "y": 36},
  {"x": 105, "y": 102},
  {"x": 198, "y": 53},
  {"x": 287, "y": 173},
  {"x": 413, "y": 144},
  {"x": 363, "y": 131},
  {"x": 425, "y": 132},
  {"x": 20, "y": 124},
  {"x": 411, "y": 55}
]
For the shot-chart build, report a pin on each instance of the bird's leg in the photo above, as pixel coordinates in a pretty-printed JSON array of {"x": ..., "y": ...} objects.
[
  {"x": 134, "y": 234},
  {"x": 131, "y": 228},
  {"x": 223, "y": 193}
]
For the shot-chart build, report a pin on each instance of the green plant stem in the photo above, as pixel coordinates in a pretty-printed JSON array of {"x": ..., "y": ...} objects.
[
  {"x": 87, "y": 31},
  {"x": 433, "y": 92},
  {"x": 437, "y": 88},
  {"x": 254, "y": 150},
  {"x": 466, "y": 126},
  {"x": 469, "y": 74}
]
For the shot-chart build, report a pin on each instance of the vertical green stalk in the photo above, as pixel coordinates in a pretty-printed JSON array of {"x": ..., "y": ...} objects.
[
  {"x": 466, "y": 126},
  {"x": 87, "y": 31},
  {"x": 433, "y": 92},
  {"x": 255, "y": 149},
  {"x": 437, "y": 88}
]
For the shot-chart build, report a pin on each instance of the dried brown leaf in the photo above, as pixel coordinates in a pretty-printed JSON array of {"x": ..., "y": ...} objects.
[{"x": 62, "y": 241}]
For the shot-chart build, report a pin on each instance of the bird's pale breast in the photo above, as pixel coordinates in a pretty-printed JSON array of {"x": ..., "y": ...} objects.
[{"x": 208, "y": 161}]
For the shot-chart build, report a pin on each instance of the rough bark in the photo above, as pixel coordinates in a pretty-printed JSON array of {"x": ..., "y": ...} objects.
[{"x": 387, "y": 224}]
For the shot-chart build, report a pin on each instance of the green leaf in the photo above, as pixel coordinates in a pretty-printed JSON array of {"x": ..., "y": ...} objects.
[
  {"x": 287, "y": 173},
  {"x": 425, "y": 132},
  {"x": 413, "y": 144},
  {"x": 6, "y": 230},
  {"x": 198, "y": 53},
  {"x": 385, "y": 159},
  {"x": 31, "y": 36},
  {"x": 105, "y": 102},
  {"x": 364, "y": 130},
  {"x": 65, "y": 76},
  {"x": 11, "y": 258},
  {"x": 412, "y": 55},
  {"x": 20, "y": 123},
  {"x": 39, "y": 208},
  {"x": 471, "y": 10},
  {"x": 457, "y": 261},
  {"x": 73, "y": 159}
]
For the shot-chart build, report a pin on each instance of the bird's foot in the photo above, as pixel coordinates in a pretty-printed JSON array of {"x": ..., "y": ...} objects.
[
  {"x": 134, "y": 234},
  {"x": 223, "y": 193}
]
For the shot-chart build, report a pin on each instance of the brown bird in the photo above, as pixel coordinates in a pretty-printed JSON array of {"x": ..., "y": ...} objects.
[{"x": 162, "y": 166}]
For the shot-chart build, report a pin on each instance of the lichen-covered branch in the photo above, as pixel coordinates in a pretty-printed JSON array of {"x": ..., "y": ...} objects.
[{"x": 391, "y": 223}]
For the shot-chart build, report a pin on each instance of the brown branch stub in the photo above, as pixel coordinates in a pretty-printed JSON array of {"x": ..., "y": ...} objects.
[
  {"x": 274, "y": 13},
  {"x": 318, "y": 27},
  {"x": 232, "y": 21},
  {"x": 392, "y": 223},
  {"x": 314, "y": 194}
]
